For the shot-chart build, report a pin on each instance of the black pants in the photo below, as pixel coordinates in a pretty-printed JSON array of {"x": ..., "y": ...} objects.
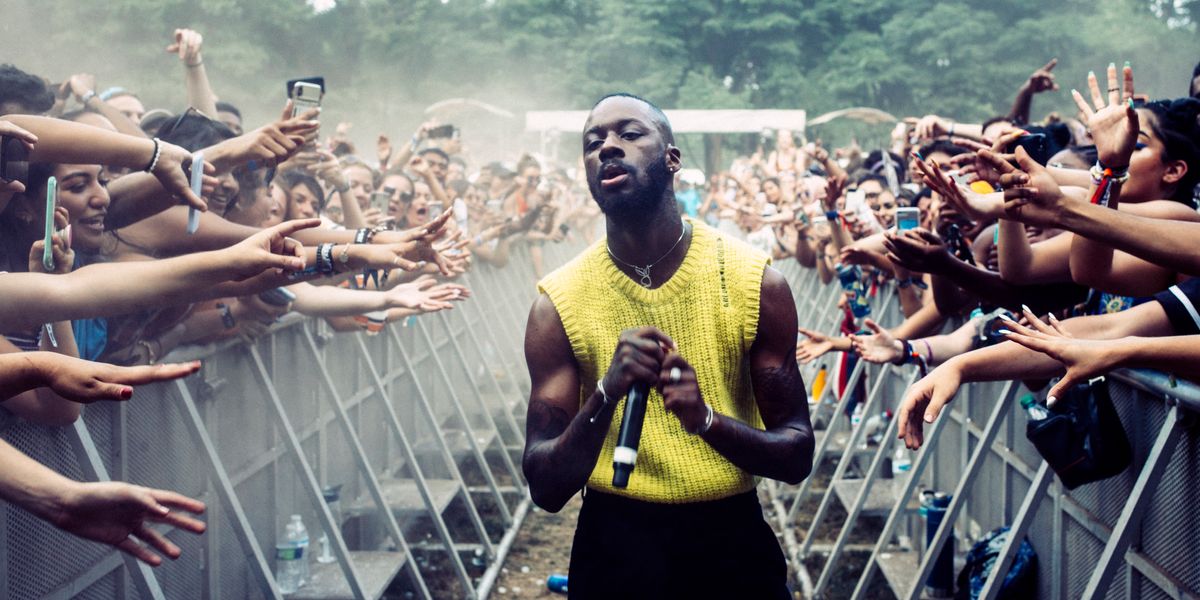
[{"x": 628, "y": 549}]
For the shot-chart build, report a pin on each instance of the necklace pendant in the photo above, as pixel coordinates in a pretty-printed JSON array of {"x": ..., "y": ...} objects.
[{"x": 644, "y": 273}]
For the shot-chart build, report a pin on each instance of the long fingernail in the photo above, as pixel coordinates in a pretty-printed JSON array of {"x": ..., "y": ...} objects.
[
  {"x": 1091, "y": 74},
  {"x": 1112, "y": 65},
  {"x": 1006, "y": 318},
  {"x": 1053, "y": 319},
  {"x": 1051, "y": 400},
  {"x": 1127, "y": 66},
  {"x": 1004, "y": 332},
  {"x": 1026, "y": 308}
]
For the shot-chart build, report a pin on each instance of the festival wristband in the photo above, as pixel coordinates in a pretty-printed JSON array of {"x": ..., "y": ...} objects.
[{"x": 197, "y": 181}]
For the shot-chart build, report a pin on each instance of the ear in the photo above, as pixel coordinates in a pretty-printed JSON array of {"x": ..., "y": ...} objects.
[
  {"x": 1174, "y": 172},
  {"x": 674, "y": 162}
]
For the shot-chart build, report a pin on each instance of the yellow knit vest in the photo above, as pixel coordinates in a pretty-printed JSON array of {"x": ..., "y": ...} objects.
[{"x": 710, "y": 308}]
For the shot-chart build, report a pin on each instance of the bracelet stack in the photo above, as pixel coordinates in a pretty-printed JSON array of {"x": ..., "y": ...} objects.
[
  {"x": 325, "y": 259},
  {"x": 1104, "y": 178}
]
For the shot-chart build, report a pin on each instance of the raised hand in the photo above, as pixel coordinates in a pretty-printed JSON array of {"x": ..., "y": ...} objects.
[
  {"x": 917, "y": 250},
  {"x": 383, "y": 150},
  {"x": 119, "y": 514},
  {"x": 1042, "y": 80},
  {"x": 1113, "y": 123},
  {"x": 270, "y": 248},
  {"x": 187, "y": 45},
  {"x": 29, "y": 139},
  {"x": 812, "y": 348},
  {"x": 1031, "y": 195},
  {"x": 174, "y": 164},
  {"x": 975, "y": 206},
  {"x": 85, "y": 381},
  {"x": 80, "y": 84},
  {"x": 879, "y": 347},
  {"x": 60, "y": 247}
]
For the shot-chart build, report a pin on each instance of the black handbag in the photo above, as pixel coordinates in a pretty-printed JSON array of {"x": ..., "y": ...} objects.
[{"x": 1082, "y": 440}]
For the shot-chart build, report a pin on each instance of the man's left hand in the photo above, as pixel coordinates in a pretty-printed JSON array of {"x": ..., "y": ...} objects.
[{"x": 681, "y": 395}]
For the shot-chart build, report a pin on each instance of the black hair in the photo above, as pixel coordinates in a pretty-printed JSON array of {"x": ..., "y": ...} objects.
[
  {"x": 943, "y": 146},
  {"x": 16, "y": 236},
  {"x": 865, "y": 176},
  {"x": 1175, "y": 123},
  {"x": 663, "y": 124},
  {"x": 29, "y": 92},
  {"x": 223, "y": 106},
  {"x": 437, "y": 151},
  {"x": 994, "y": 120},
  {"x": 289, "y": 179},
  {"x": 194, "y": 131},
  {"x": 874, "y": 163}
]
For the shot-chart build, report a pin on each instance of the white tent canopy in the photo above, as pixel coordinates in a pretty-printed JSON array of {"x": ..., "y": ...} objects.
[{"x": 682, "y": 121}]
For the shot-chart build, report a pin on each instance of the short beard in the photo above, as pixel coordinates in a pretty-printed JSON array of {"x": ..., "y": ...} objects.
[{"x": 640, "y": 201}]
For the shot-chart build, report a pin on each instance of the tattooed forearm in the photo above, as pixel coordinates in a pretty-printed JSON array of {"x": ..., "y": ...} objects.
[{"x": 784, "y": 450}]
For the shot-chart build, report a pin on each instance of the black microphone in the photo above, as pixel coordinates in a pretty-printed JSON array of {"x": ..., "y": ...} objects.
[{"x": 625, "y": 454}]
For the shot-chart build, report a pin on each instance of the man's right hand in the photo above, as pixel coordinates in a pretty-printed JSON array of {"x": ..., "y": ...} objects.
[{"x": 638, "y": 358}]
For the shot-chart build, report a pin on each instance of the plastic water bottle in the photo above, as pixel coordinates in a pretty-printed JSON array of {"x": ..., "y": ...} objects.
[
  {"x": 1036, "y": 411},
  {"x": 557, "y": 583},
  {"x": 297, "y": 536},
  {"x": 818, "y": 385},
  {"x": 901, "y": 462},
  {"x": 850, "y": 277},
  {"x": 287, "y": 567}
]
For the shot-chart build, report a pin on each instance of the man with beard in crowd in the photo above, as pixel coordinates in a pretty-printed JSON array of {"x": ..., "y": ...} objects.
[{"x": 671, "y": 304}]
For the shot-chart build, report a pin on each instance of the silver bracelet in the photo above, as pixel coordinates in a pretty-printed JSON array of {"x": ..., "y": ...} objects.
[
  {"x": 708, "y": 419},
  {"x": 603, "y": 400},
  {"x": 157, "y": 154}
]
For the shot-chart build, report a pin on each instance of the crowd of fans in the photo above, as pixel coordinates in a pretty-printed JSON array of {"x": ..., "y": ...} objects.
[
  {"x": 147, "y": 254},
  {"x": 1042, "y": 247},
  {"x": 1047, "y": 248}
]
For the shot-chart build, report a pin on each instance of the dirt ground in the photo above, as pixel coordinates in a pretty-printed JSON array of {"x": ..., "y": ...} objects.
[{"x": 542, "y": 548}]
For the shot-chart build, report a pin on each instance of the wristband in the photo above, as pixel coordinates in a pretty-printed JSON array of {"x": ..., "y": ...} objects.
[
  {"x": 226, "y": 316},
  {"x": 832, "y": 215},
  {"x": 906, "y": 352},
  {"x": 154, "y": 159},
  {"x": 84, "y": 99},
  {"x": 325, "y": 259},
  {"x": 603, "y": 399},
  {"x": 363, "y": 236},
  {"x": 708, "y": 421}
]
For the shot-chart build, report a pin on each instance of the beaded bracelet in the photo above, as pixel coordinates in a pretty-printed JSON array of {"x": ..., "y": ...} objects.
[
  {"x": 1104, "y": 178},
  {"x": 154, "y": 159}
]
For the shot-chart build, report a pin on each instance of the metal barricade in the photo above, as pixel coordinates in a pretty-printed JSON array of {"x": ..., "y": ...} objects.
[
  {"x": 421, "y": 425},
  {"x": 1130, "y": 536}
]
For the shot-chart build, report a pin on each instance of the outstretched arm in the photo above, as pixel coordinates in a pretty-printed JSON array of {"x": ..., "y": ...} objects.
[{"x": 110, "y": 512}]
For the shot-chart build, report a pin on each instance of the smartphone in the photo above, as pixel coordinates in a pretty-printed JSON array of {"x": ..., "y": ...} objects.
[
  {"x": 14, "y": 159},
  {"x": 306, "y": 94},
  {"x": 277, "y": 297},
  {"x": 442, "y": 132},
  {"x": 855, "y": 199},
  {"x": 51, "y": 203},
  {"x": 197, "y": 182},
  {"x": 1035, "y": 145},
  {"x": 382, "y": 199},
  {"x": 907, "y": 217}
]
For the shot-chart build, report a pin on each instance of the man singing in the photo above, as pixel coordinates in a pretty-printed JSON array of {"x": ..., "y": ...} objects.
[{"x": 711, "y": 329}]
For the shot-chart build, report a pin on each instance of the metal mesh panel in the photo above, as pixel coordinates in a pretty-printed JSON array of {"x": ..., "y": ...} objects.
[
  {"x": 1081, "y": 554},
  {"x": 1169, "y": 535},
  {"x": 41, "y": 557},
  {"x": 103, "y": 589}
]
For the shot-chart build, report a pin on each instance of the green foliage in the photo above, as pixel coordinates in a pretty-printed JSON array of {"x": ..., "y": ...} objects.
[{"x": 389, "y": 59}]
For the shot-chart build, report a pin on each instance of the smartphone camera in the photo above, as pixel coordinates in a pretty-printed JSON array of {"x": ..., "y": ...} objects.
[{"x": 14, "y": 160}]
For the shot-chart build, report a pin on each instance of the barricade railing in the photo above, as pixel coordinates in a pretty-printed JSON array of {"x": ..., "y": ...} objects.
[
  {"x": 1130, "y": 536},
  {"x": 422, "y": 426}
]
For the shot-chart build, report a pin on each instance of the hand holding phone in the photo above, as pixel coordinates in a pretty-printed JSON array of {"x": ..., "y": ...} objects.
[{"x": 907, "y": 217}]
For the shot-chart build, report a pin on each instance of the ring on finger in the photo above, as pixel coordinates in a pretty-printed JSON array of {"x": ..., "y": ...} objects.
[{"x": 676, "y": 374}]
